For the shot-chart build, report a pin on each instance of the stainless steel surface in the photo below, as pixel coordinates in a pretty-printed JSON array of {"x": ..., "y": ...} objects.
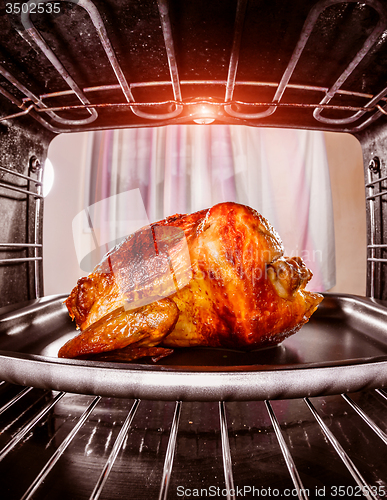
[
  {"x": 82, "y": 439},
  {"x": 342, "y": 348}
]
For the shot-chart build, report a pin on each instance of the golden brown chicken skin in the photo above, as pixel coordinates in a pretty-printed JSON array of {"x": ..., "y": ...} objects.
[
  {"x": 242, "y": 292},
  {"x": 142, "y": 327}
]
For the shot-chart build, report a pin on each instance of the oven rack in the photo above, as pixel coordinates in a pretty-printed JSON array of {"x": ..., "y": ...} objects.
[
  {"x": 36, "y": 195},
  {"x": 376, "y": 192},
  {"x": 182, "y": 108},
  {"x": 84, "y": 417}
]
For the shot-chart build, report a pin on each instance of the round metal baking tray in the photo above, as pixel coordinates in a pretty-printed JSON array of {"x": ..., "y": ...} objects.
[{"x": 343, "y": 348}]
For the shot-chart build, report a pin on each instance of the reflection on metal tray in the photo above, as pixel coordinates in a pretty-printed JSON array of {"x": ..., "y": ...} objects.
[{"x": 343, "y": 348}]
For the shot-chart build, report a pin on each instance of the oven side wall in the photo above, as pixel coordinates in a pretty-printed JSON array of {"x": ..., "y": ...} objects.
[
  {"x": 374, "y": 148},
  {"x": 21, "y": 141}
]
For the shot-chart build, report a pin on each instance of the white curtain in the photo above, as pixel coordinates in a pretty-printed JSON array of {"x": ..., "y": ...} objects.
[{"x": 283, "y": 174}]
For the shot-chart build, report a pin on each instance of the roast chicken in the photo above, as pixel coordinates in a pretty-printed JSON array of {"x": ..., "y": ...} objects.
[{"x": 215, "y": 278}]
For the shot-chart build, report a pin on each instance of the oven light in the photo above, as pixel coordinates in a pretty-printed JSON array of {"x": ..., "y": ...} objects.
[
  {"x": 203, "y": 113},
  {"x": 48, "y": 177}
]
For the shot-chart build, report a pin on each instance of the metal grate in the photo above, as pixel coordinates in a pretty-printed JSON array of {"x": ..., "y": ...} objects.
[
  {"x": 375, "y": 247},
  {"x": 93, "y": 447},
  {"x": 366, "y": 109},
  {"x": 36, "y": 195}
]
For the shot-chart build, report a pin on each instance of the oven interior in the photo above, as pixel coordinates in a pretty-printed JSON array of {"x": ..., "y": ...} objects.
[{"x": 80, "y": 65}]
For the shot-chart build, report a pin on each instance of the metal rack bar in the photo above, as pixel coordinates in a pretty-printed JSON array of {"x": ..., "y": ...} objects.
[
  {"x": 368, "y": 44},
  {"x": 20, "y": 104},
  {"x": 372, "y": 235},
  {"x": 22, "y": 176},
  {"x": 6, "y": 74},
  {"x": 17, "y": 115},
  {"x": 15, "y": 399},
  {"x": 352, "y": 469},
  {"x": 368, "y": 121},
  {"x": 170, "y": 454},
  {"x": 41, "y": 43},
  {"x": 169, "y": 47},
  {"x": 234, "y": 57},
  {"x": 20, "y": 245},
  {"x": 12, "y": 99},
  {"x": 370, "y": 106},
  {"x": 301, "y": 491},
  {"x": 20, "y": 190},
  {"x": 306, "y": 32},
  {"x": 372, "y": 246},
  {"x": 381, "y": 393},
  {"x": 226, "y": 453},
  {"x": 21, "y": 259},
  {"x": 201, "y": 101},
  {"x": 60, "y": 450},
  {"x": 173, "y": 71},
  {"x": 378, "y": 431},
  {"x": 372, "y": 183},
  {"x": 29, "y": 426},
  {"x": 377, "y": 195},
  {"x": 220, "y": 83},
  {"x": 36, "y": 259},
  {"x": 113, "y": 454},
  {"x": 29, "y": 110},
  {"x": 97, "y": 21},
  {"x": 135, "y": 105},
  {"x": 108, "y": 48}
]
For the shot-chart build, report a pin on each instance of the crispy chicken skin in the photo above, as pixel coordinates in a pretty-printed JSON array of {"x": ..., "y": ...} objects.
[
  {"x": 243, "y": 293},
  {"x": 142, "y": 327}
]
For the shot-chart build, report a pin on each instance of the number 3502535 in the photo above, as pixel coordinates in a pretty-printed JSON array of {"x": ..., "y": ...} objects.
[{"x": 33, "y": 8}]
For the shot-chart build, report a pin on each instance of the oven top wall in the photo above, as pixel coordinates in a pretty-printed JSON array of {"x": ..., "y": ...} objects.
[{"x": 81, "y": 64}]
